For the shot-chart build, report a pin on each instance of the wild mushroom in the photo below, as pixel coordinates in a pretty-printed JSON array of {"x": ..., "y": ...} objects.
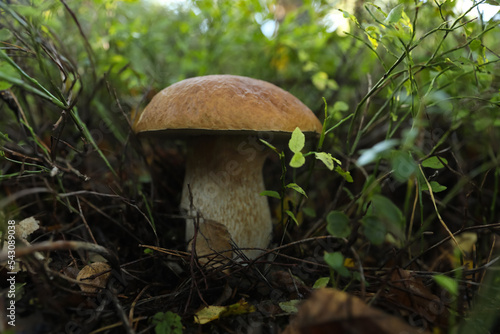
[{"x": 222, "y": 117}]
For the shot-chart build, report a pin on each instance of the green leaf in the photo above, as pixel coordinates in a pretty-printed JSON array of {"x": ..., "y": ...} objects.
[
  {"x": 10, "y": 73},
  {"x": 290, "y": 306},
  {"x": 395, "y": 14},
  {"x": 327, "y": 159},
  {"x": 338, "y": 224},
  {"x": 434, "y": 163},
  {"x": 167, "y": 323},
  {"x": 336, "y": 262},
  {"x": 297, "y": 188},
  {"x": 290, "y": 213},
  {"x": 389, "y": 214},
  {"x": 447, "y": 283},
  {"x": 297, "y": 141},
  {"x": 321, "y": 282},
  {"x": 435, "y": 186},
  {"x": 374, "y": 229},
  {"x": 339, "y": 106},
  {"x": 320, "y": 80},
  {"x": 403, "y": 165},
  {"x": 298, "y": 160},
  {"x": 270, "y": 193},
  {"x": 269, "y": 145},
  {"x": 345, "y": 174}
]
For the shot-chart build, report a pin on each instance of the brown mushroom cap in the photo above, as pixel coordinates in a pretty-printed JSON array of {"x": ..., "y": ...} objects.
[{"x": 226, "y": 103}]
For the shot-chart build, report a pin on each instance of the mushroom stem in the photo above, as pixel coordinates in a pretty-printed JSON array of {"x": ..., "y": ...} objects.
[{"x": 224, "y": 174}]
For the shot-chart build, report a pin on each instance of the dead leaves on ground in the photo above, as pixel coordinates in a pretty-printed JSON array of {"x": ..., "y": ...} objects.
[{"x": 333, "y": 311}]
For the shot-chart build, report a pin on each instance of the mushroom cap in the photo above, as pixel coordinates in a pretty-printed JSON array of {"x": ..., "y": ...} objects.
[{"x": 222, "y": 103}]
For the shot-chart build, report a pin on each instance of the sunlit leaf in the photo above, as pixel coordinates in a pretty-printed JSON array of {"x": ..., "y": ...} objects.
[
  {"x": 395, "y": 14},
  {"x": 434, "y": 162},
  {"x": 297, "y": 188},
  {"x": 447, "y": 283},
  {"x": 297, "y": 141},
  {"x": 327, "y": 159},
  {"x": 345, "y": 174},
  {"x": 270, "y": 193},
  {"x": 298, "y": 160},
  {"x": 374, "y": 229},
  {"x": 321, "y": 282}
]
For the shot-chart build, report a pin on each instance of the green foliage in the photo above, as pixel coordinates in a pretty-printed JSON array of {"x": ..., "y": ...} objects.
[
  {"x": 447, "y": 283},
  {"x": 336, "y": 261},
  {"x": 338, "y": 224},
  {"x": 167, "y": 323}
]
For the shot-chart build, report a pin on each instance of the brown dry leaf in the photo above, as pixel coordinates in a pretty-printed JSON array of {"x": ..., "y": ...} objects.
[
  {"x": 333, "y": 311},
  {"x": 91, "y": 270},
  {"x": 213, "y": 244},
  {"x": 411, "y": 293}
]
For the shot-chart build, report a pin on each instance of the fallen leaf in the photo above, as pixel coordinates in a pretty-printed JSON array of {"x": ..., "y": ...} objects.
[
  {"x": 211, "y": 313},
  {"x": 95, "y": 276},
  {"x": 213, "y": 244},
  {"x": 333, "y": 311}
]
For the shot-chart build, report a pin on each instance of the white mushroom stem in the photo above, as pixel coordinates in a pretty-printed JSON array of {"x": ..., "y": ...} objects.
[{"x": 224, "y": 174}]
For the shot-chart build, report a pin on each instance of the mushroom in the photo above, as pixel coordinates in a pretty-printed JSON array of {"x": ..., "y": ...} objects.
[{"x": 222, "y": 118}]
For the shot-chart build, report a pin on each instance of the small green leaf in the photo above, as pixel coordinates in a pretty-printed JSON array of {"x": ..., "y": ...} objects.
[
  {"x": 374, "y": 229},
  {"x": 298, "y": 160},
  {"x": 309, "y": 212},
  {"x": 167, "y": 323},
  {"x": 339, "y": 106},
  {"x": 297, "y": 141},
  {"x": 346, "y": 175},
  {"x": 435, "y": 186},
  {"x": 434, "y": 162},
  {"x": 290, "y": 306},
  {"x": 447, "y": 283},
  {"x": 327, "y": 159},
  {"x": 297, "y": 188},
  {"x": 389, "y": 214},
  {"x": 270, "y": 193},
  {"x": 338, "y": 224},
  {"x": 321, "y": 282},
  {"x": 395, "y": 14},
  {"x": 9, "y": 73},
  {"x": 403, "y": 165},
  {"x": 336, "y": 262},
  {"x": 290, "y": 213}
]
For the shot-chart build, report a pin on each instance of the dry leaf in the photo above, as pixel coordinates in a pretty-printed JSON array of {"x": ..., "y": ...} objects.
[
  {"x": 96, "y": 283},
  {"x": 213, "y": 244},
  {"x": 333, "y": 311},
  {"x": 211, "y": 313}
]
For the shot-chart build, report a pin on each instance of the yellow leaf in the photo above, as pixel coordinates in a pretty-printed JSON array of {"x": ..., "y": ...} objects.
[
  {"x": 212, "y": 313},
  {"x": 207, "y": 314}
]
